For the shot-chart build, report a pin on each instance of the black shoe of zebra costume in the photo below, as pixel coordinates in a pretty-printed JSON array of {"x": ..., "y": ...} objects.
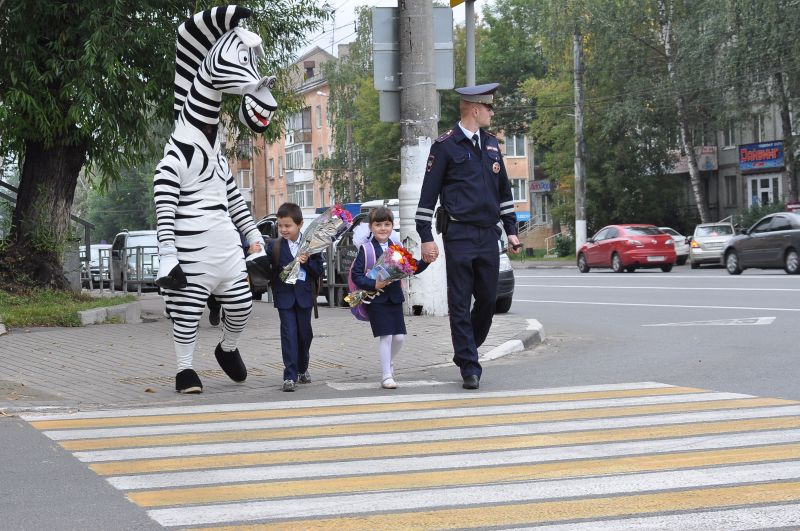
[
  {"x": 231, "y": 363},
  {"x": 187, "y": 381}
]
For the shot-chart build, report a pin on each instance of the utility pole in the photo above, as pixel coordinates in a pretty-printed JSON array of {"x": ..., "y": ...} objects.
[
  {"x": 580, "y": 175},
  {"x": 469, "y": 19},
  {"x": 418, "y": 120},
  {"x": 351, "y": 178}
]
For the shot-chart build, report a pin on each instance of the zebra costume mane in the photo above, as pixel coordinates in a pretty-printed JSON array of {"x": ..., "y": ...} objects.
[{"x": 215, "y": 55}]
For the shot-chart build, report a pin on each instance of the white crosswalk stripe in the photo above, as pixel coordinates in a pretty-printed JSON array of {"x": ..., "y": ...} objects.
[{"x": 641, "y": 455}]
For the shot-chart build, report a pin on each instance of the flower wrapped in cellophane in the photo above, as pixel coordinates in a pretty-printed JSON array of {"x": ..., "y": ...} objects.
[
  {"x": 317, "y": 237},
  {"x": 394, "y": 264}
]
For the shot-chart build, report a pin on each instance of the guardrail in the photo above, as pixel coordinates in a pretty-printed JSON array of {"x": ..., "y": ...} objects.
[{"x": 145, "y": 267}]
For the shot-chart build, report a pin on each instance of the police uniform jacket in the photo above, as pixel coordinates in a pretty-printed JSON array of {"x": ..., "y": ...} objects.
[
  {"x": 473, "y": 183},
  {"x": 391, "y": 293},
  {"x": 302, "y": 292}
]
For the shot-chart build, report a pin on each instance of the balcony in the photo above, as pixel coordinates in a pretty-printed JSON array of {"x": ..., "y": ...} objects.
[{"x": 299, "y": 176}]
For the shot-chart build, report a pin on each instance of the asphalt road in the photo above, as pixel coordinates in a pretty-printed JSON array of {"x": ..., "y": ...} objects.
[{"x": 701, "y": 328}]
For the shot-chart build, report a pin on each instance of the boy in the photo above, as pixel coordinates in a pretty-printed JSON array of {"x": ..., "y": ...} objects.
[{"x": 294, "y": 302}]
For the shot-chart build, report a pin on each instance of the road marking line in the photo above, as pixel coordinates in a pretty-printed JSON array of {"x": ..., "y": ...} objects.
[
  {"x": 747, "y": 321},
  {"x": 353, "y": 386},
  {"x": 421, "y": 424},
  {"x": 753, "y": 308},
  {"x": 530, "y": 502},
  {"x": 760, "y": 417},
  {"x": 462, "y": 477},
  {"x": 451, "y": 461},
  {"x": 315, "y": 403}
]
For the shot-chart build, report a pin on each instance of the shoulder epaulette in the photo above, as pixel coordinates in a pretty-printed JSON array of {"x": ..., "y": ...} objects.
[
  {"x": 445, "y": 136},
  {"x": 490, "y": 133}
]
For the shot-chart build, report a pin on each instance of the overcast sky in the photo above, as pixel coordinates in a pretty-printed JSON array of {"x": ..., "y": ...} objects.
[{"x": 341, "y": 29}]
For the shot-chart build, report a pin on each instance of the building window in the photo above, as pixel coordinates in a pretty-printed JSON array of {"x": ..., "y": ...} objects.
[
  {"x": 515, "y": 146},
  {"x": 319, "y": 152},
  {"x": 519, "y": 189},
  {"x": 760, "y": 128},
  {"x": 272, "y": 203},
  {"x": 302, "y": 194},
  {"x": 244, "y": 179},
  {"x": 271, "y": 169},
  {"x": 280, "y": 166},
  {"x": 318, "y": 116},
  {"x": 244, "y": 149},
  {"x": 730, "y": 190},
  {"x": 729, "y": 135}
]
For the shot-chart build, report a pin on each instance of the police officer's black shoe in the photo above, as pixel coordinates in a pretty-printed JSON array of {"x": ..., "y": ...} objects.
[{"x": 471, "y": 382}]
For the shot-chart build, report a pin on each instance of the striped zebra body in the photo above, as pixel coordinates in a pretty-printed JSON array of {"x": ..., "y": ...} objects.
[{"x": 199, "y": 208}]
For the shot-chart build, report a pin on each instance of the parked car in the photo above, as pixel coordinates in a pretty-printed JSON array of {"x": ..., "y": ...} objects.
[
  {"x": 627, "y": 248},
  {"x": 773, "y": 242},
  {"x": 99, "y": 264},
  {"x": 681, "y": 243},
  {"x": 505, "y": 281},
  {"x": 707, "y": 242},
  {"x": 128, "y": 249}
]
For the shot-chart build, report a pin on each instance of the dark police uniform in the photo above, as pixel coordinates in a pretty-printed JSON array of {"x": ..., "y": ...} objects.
[{"x": 474, "y": 190}]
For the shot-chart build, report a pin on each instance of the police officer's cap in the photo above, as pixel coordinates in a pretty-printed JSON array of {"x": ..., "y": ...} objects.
[{"x": 478, "y": 93}]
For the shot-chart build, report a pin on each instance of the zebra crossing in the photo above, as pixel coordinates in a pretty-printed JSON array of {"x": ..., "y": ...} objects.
[{"x": 641, "y": 455}]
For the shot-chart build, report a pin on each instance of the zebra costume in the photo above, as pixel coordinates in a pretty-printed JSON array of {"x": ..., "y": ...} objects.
[{"x": 199, "y": 208}]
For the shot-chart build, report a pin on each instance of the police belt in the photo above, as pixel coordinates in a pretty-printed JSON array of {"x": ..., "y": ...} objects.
[{"x": 444, "y": 219}]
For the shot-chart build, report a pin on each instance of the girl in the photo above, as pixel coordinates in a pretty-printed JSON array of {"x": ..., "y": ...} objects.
[{"x": 386, "y": 310}]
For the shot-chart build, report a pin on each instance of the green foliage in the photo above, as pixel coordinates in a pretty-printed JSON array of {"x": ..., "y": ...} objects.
[
  {"x": 373, "y": 151},
  {"x": 748, "y": 217},
  {"x": 564, "y": 245},
  {"x": 50, "y": 308},
  {"x": 98, "y": 72}
]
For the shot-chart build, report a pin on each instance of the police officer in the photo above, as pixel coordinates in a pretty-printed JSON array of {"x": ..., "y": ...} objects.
[{"x": 466, "y": 171}]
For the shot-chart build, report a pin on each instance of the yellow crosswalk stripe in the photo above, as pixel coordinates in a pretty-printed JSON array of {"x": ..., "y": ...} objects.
[
  {"x": 544, "y": 512},
  {"x": 416, "y": 480},
  {"x": 411, "y": 425},
  {"x": 228, "y": 416},
  {"x": 438, "y": 447}
]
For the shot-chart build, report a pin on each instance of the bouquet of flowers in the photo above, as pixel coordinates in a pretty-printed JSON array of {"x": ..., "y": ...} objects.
[
  {"x": 317, "y": 237},
  {"x": 394, "y": 264}
]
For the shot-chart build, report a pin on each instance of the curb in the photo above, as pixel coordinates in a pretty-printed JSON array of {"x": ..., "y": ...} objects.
[
  {"x": 130, "y": 313},
  {"x": 523, "y": 341}
]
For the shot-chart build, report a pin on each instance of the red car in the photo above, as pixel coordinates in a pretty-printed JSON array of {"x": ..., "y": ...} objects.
[{"x": 627, "y": 248}]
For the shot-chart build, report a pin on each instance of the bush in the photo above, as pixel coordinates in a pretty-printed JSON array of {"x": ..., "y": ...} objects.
[
  {"x": 745, "y": 218},
  {"x": 564, "y": 245}
]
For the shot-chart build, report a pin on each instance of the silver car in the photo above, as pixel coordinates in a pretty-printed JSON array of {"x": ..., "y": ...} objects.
[
  {"x": 708, "y": 241},
  {"x": 681, "y": 243}
]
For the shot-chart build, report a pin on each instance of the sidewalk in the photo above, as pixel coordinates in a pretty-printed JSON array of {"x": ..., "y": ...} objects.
[
  {"x": 134, "y": 364},
  {"x": 543, "y": 264}
]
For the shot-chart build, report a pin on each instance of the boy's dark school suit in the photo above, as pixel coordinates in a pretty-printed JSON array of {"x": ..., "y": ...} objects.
[
  {"x": 392, "y": 294},
  {"x": 294, "y": 303}
]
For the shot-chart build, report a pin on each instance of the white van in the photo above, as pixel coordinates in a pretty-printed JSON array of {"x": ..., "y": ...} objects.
[{"x": 393, "y": 204}]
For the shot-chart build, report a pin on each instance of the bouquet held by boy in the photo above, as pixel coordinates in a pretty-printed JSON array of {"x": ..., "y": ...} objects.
[{"x": 317, "y": 237}]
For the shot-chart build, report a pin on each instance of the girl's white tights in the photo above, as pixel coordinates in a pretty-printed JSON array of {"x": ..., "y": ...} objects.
[{"x": 388, "y": 347}]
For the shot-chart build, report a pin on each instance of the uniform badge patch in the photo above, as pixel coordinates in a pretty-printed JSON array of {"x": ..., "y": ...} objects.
[
  {"x": 496, "y": 167},
  {"x": 430, "y": 163}
]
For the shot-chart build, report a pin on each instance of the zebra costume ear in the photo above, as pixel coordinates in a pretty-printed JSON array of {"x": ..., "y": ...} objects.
[{"x": 196, "y": 36}]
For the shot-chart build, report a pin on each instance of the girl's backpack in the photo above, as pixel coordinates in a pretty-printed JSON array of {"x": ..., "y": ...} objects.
[{"x": 360, "y": 311}]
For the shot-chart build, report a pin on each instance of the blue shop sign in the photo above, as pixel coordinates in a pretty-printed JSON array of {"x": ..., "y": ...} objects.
[
  {"x": 523, "y": 216},
  {"x": 761, "y": 156}
]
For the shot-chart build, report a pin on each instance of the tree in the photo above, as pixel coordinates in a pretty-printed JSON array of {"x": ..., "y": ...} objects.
[
  {"x": 80, "y": 84},
  {"x": 365, "y": 162}
]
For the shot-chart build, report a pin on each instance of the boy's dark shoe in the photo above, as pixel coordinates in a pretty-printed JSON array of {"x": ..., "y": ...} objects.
[
  {"x": 187, "y": 381},
  {"x": 213, "y": 315},
  {"x": 471, "y": 382},
  {"x": 305, "y": 377},
  {"x": 231, "y": 363},
  {"x": 288, "y": 386}
]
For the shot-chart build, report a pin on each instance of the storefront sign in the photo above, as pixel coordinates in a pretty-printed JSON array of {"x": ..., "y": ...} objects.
[
  {"x": 761, "y": 156},
  {"x": 523, "y": 216},
  {"x": 706, "y": 160},
  {"x": 540, "y": 186}
]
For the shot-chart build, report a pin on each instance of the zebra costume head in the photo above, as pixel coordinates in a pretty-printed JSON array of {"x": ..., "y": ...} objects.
[{"x": 213, "y": 56}]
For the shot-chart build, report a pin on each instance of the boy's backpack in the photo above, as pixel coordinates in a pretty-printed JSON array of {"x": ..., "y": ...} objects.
[{"x": 360, "y": 311}]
